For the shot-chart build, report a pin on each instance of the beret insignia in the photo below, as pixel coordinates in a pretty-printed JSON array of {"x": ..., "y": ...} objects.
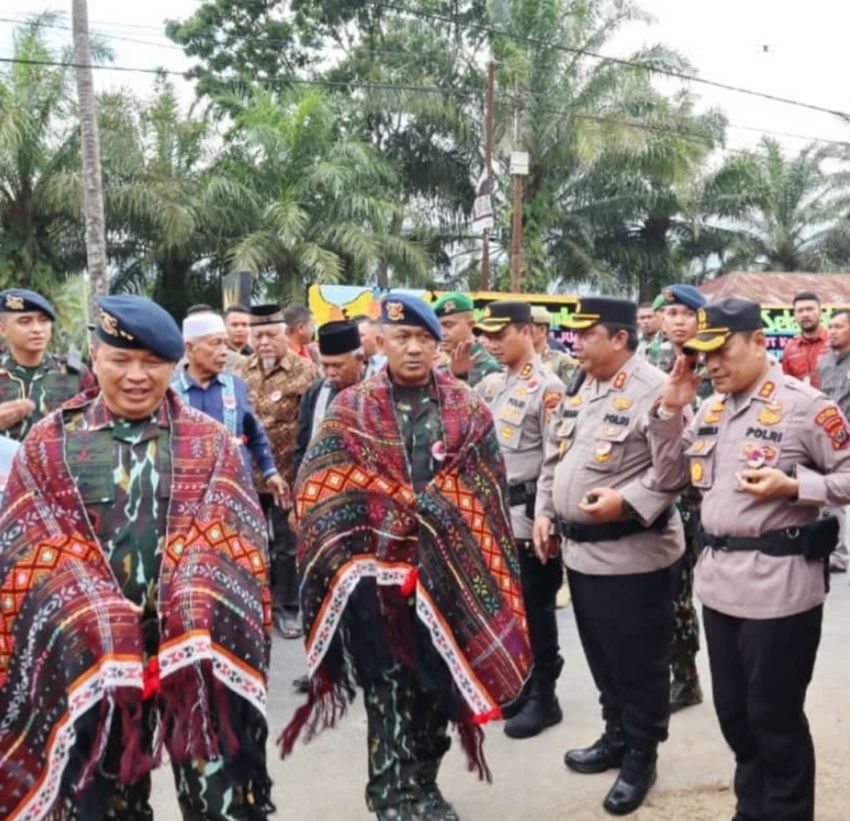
[
  {"x": 449, "y": 305},
  {"x": 14, "y": 303},
  {"x": 395, "y": 311},
  {"x": 110, "y": 324}
]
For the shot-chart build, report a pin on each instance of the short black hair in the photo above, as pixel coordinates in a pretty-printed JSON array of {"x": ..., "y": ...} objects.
[
  {"x": 296, "y": 314},
  {"x": 237, "y": 309},
  {"x": 200, "y": 308},
  {"x": 839, "y": 311},
  {"x": 806, "y": 296},
  {"x": 616, "y": 327}
]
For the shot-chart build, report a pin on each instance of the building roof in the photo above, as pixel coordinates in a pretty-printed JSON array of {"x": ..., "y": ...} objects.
[{"x": 778, "y": 287}]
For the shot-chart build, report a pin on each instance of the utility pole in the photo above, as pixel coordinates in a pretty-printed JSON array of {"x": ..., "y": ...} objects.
[
  {"x": 519, "y": 170},
  {"x": 488, "y": 170},
  {"x": 90, "y": 141}
]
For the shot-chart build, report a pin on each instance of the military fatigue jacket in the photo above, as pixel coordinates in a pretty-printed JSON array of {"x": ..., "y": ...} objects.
[
  {"x": 780, "y": 423},
  {"x": 598, "y": 438},
  {"x": 483, "y": 364},
  {"x": 275, "y": 397},
  {"x": 522, "y": 404},
  {"x": 48, "y": 385},
  {"x": 421, "y": 425},
  {"x": 122, "y": 470},
  {"x": 561, "y": 364}
]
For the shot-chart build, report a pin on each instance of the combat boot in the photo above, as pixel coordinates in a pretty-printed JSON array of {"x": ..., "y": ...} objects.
[
  {"x": 434, "y": 807},
  {"x": 405, "y": 811},
  {"x": 636, "y": 777},
  {"x": 604, "y": 754},
  {"x": 685, "y": 694},
  {"x": 541, "y": 708}
]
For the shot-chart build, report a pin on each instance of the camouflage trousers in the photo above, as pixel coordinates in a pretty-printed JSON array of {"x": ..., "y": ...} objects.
[
  {"x": 407, "y": 738},
  {"x": 685, "y": 641}
]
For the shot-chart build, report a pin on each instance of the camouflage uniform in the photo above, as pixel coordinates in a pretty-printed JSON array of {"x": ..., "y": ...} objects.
[
  {"x": 660, "y": 352},
  {"x": 561, "y": 364},
  {"x": 276, "y": 396},
  {"x": 483, "y": 365},
  {"x": 48, "y": 385},
  {"x": 123, "y": 472},
  {"x": 405, "y": 755}
]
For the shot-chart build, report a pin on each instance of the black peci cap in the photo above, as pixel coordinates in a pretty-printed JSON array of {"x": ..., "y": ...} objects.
[
  {"x": 593, "y": 310},
  {"x": 718, "y": 321},
  {"x": 268, "y": 314},
  {"x": 337, "y": 338}
]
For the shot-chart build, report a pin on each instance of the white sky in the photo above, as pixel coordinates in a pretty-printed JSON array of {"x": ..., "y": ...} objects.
[{"x": 723, "y": 40}]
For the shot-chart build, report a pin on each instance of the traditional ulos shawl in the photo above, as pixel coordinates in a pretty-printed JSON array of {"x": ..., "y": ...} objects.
[
  {"x": 450, "y": 546},
  {"x": 72, "y": 669}
]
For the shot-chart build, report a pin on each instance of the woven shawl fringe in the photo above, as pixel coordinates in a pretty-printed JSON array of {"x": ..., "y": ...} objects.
[
  {"x": 471, "y": 738},
  {"x": 327, "y": 702},
  {"x": 202, "y": 719}
]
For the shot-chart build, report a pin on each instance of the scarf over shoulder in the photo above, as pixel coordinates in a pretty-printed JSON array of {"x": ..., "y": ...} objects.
[
  {"x": 449, "y": 547},
  {"x": 72, "y": 669}
]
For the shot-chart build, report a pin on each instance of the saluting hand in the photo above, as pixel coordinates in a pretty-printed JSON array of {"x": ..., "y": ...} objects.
[
  {"x": 13, "y": 411},
  {"x": 767, "y": 483},
  {"x": 680, "y": 387},
  {"x": 604, "y": 504},
  {"x": 462, "y": 360}
]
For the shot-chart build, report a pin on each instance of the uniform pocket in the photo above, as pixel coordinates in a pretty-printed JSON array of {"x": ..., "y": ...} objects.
[
  {"x": 609, "y": 448},
  {"x": 701, "y": 457}
]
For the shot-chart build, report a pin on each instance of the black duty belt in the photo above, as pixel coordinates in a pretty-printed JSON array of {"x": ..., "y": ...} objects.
[
  {"x": 517, "y": 495},
  {"x": 815, "y": 540},
  {"x": 611, "y": 531}
]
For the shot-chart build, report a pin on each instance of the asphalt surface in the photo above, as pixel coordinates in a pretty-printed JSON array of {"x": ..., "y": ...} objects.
[{"x": 325, "y": 779}]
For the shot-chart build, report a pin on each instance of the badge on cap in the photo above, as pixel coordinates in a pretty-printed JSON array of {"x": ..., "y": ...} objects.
[
  {"x": 602, "y": 451},
  {"x": 276, "y": 396},
  {"x": 14, "y": 303},
  {"x": 395, "y": 311},
  {"x": 448, "y": 305},
  {"x": 697, "y": 470},
  {"x": 622, "y": 404}
]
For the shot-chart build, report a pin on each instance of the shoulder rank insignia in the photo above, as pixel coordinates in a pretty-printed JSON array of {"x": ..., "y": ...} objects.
[
  {"x": 767, "y": 390},
  {"x": 619, "y": 381},
  {"x": 526, "y": 371}
]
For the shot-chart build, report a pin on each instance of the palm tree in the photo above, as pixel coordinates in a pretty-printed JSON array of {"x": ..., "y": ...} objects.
[
  {"x": 324, "y": 207},
  {"x": 783, "y": 214}
]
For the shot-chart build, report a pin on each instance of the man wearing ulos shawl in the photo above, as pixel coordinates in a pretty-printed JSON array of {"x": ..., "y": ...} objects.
[
  {"x": 409, "y": 569},
  {"x": 134, "y": 612}
]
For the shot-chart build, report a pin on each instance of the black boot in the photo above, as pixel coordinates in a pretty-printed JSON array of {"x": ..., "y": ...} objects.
[
  {"x": 434, "y": 807},
  {"x": 685, "y": 694},
  {"x": 636, "y": 777},
  {"x": 541, "y": 708},
  {"x": 604, "y": 754}
]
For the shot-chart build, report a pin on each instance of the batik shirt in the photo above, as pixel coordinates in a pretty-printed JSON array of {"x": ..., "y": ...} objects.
[
  {"x": 420, "y": 422},
  {"x": 48, "y": 385},
  {"x": 123, "y": 473}
]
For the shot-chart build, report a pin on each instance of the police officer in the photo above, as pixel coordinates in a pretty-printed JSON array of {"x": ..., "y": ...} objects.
[
  {"x": 766, "y": 451},
  {"x": 622, "y": 539},
  {"x": 679, "y": 324},
  {"x": 464, "y": 357},
  {"x": 522, "y": 400},
  {"x": 33, "y": 382}
]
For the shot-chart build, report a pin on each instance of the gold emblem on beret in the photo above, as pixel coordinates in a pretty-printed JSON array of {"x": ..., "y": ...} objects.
[
  {"x": 449, "y": 306},
  {"x": 395, "y": 311},
  {"x": 110, "y": 325},
  {"x": 702, "y": 319},
  {"x": 14, "y": 303}
]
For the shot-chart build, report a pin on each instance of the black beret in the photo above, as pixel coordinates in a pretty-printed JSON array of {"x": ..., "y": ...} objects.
[
  {"x": 406, "y": 309},
  {"x": 21, "y": 300},
  {"x": 500, "y": 314},
  {"x": 338, "y": 337},
  {"x": 593, "y": 310},
  {"x": 718, "y": 321},
  {"x": 135, "y": 322}
]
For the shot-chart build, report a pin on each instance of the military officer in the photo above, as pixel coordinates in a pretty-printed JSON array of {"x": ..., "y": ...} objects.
[
  {"x": 467, "y": 360},
  {"x": 679, "y": 324},
  {"x": 561, "y": 364},
  {"x": 277, "y": 379},
  {"x": 522, "y": 400},
  {"x": 622, "y": 540},
  {"x": 766, "y": 451},
  {"x": 33, "y": 382}
]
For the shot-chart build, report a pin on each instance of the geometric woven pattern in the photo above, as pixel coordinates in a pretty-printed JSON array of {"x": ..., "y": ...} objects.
[{"x": 327, "y": 483}]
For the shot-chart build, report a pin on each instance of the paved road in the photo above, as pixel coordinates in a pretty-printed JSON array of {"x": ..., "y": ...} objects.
[{"x": 325, "y": 779}]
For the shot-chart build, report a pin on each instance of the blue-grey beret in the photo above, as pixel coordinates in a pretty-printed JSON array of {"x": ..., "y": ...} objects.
[
  {"x": 685, "y": 295},
  {"x": 126, "y": 321},
  {"x": 21, "y": 300},
  {"x": 405, "y": 309}
]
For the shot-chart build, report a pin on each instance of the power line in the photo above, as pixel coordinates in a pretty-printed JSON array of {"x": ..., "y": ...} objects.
[{"x": 679, "y": 75}]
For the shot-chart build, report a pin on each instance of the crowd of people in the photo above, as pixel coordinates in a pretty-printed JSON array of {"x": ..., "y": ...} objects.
[{"x": 411, "y": 495}]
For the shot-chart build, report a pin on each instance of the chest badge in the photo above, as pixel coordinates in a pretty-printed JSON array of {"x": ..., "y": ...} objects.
[
  {"x": 575, "y": 401},
  {"x": 532, "y": 385},
  {"x": 697, "y": 470},
  {"x": 622, "y": 404},
  {"x": 602, "y": 451},
  {"x": 507, "y": 432},
  {"x": 768, "y": 418},
  {"x": 699, "y": 446}
]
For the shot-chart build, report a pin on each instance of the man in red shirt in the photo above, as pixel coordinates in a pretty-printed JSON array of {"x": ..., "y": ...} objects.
[{"x": 801, "y": 354}]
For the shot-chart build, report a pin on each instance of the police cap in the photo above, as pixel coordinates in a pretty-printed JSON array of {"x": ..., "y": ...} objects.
[
  {"x": 718, "y": 321},
  {"x": 594, "y": 310}
]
